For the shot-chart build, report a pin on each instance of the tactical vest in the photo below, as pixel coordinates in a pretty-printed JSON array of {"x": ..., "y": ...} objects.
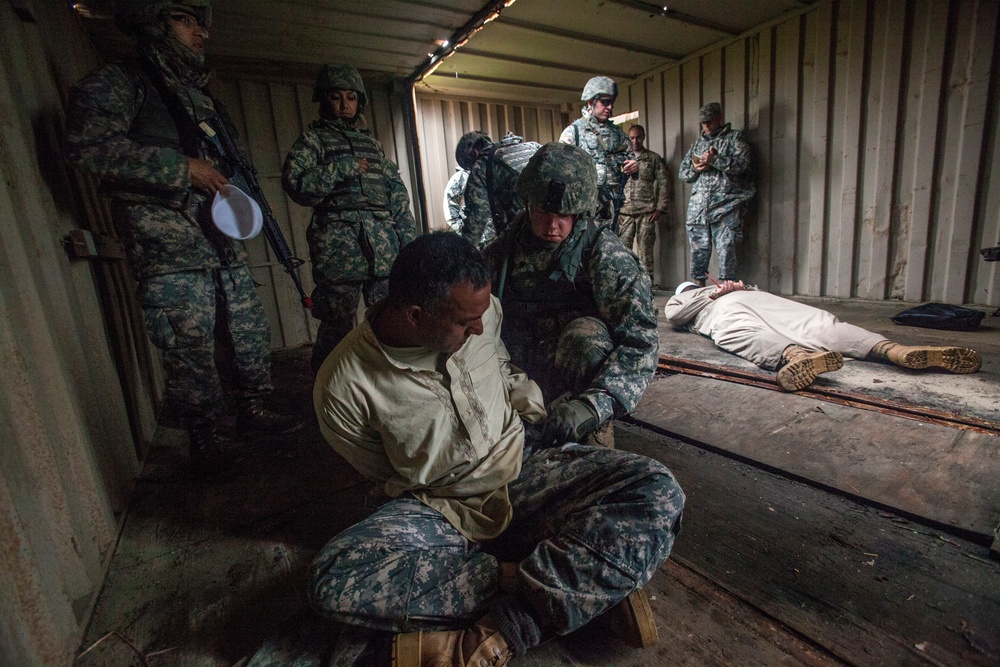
[
  {"x": 368, "y": 191},
  {"x": 536, "y": 294},
  {"x": 153, "y": 125}
]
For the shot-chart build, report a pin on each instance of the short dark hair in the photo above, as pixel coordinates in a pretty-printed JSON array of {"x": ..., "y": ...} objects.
[
  {"x": 640, "y": 128},
  {"x": 427, "y": 268}
]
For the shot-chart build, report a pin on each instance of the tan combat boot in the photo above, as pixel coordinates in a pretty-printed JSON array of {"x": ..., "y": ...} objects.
[
  {"x": 954, "y": 359},
  {"x": 482, "y": 645},
  {"x": 802, "y": 366},
  {"x": 632, "y": 620}
]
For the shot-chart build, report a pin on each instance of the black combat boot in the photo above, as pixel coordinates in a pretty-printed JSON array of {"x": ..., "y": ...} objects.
[
  {"x": 210, "y": 462},
  {"x": 254, "y": 419}
]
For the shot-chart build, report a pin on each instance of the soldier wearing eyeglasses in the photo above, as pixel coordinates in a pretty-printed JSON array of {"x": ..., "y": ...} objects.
[{"x": 604, "y": 141}]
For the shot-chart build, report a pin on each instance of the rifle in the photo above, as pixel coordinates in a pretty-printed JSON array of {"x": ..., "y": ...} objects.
[{"x": 245, "y": 178}]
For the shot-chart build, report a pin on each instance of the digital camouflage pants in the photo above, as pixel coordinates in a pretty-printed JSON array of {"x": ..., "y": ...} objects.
[
  {"x": 335, "y": 305},
  {"x": 590, "y": 526},
  {"x": 631, "y": 225},
  {"x": 191, "y": 313},
  {"x": 725, "y": 234}
]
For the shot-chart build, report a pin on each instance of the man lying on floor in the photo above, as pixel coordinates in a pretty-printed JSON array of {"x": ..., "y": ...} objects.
[
  {"x": 486, "y": 545},
  {"x": 796, "y": 340}
]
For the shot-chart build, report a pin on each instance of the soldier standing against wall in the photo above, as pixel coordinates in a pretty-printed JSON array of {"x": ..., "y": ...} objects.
[
  {"x": 718, "y": 164},
  {"x": 605, "y": 142},
  {"x": 647, "y": 196},
  {"x": 138, "y": 125},
  {"x": 361, "y": 211}
]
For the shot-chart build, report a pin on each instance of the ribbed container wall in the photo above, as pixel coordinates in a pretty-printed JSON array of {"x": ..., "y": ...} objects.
[{"x": 874, "y": 125}]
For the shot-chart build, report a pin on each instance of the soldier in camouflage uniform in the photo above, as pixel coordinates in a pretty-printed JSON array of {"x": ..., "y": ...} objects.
[
  {"x": 361, "y": 211},
  {"x": 647, "y": 197},
  {"x": 605, "y": 142},
  {"x": 718, "y": 164},
  {"x": 136, "y": 125},
  {"x": 578, "y": 309},
  {"x": 454, "y": 199},
  {"x": 485, "y": 545},
  {"x": 491, "y": 201}
]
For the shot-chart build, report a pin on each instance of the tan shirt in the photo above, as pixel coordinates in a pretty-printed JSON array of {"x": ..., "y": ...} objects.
[{"x": 445, "y": 428}]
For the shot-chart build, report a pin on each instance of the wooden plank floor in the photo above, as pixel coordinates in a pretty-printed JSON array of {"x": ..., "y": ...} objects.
[{"x": 766, "y": 571}]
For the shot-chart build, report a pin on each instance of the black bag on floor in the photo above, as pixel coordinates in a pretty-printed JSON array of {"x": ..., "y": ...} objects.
[{"x": 940, "y": 316}]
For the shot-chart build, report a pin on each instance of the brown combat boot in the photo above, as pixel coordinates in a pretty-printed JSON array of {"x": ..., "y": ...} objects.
[
  {"x": 482, "y": 645},
  {"x": 602, "y": 436},
  {"x": 802, "y": 366},
  {"x": 209, "y": 460},
  {"x": 632, "y": 620},
  {"x": 254, "y": 419},
  {"x": 954, "y": 359}
]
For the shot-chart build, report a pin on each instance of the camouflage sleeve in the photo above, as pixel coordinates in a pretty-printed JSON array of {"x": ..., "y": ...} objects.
[
  {"x": 625, "y": 302},
  {"x": 734, "y": 155},
  {"x": 687, "y": 172},
  {"x": 102, "y": 110},
  {"x": 662, "y": 184},
  {"x": 307, "y": 179},
  {"x": 684, "y": 307},
  {"x": 477, "y": 204},
  {"x": 569, "y": 136},
  {"x": 399, "y": 204},
  {"x": 453, "y": 196}
]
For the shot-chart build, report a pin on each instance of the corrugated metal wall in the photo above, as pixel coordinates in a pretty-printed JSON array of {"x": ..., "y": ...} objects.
[
  {"x": 270, "y": 117},
  {"x": 875, "y": 130},
  {"x": 442, "y": 121},
  {"x": 68, "y": 458}
]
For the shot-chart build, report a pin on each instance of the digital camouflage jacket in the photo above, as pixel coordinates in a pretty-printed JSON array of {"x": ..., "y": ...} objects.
[
  {"x": 726, "y": 184},
  {"x": 360, "y": 220}
]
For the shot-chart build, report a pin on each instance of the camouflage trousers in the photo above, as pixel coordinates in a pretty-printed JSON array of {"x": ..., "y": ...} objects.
[
  {"x": 189, "y": 315},
  {"x": 725, "y": 234},
  {"x": 629, "y": 226},
  {"x": 335, "y": 305},
  {"x": 590, "y": 526},
  {"x": 560, "y": 360}
]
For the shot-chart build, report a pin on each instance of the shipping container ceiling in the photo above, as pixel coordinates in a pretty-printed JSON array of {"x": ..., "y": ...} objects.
[{"x": 538, "y": 50}]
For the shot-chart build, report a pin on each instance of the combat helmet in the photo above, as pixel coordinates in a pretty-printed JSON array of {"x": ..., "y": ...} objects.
[
  {"x": 599, "y": 85},
  {"x": 560, "y": 178},
  {"x": 467, "y": 147},
  {"x": 338, "y": 76},
  {"x": 145, "y": 17}
]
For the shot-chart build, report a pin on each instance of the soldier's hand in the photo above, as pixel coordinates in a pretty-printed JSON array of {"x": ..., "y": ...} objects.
[
  {"x": 363, "y": 164},
  {"x": 568, "y": 422},
  {"x": 653, "y": 216},
  {"x": 204, "y": 176},
  {"x": 630, "y": 167}
]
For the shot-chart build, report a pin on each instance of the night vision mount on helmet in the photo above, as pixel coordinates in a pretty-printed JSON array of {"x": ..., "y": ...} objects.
[{"x": 560, "y": 178}]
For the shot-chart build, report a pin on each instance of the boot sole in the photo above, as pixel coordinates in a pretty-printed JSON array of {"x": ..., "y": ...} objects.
[
  {"x": 801, "y": 373},
  {"x": 645, "y": 624},
  {"x": 953, "y": 359},
  {"x": 406, "y": 650}
]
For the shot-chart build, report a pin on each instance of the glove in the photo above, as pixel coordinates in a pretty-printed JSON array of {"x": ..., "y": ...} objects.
[{"x": 568, "y": 422}]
